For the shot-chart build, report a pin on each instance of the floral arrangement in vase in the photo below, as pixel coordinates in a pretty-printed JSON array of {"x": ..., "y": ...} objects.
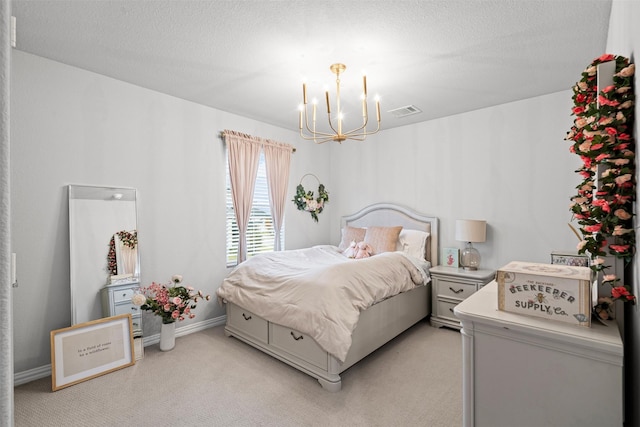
[
  {"x": 172, "y": 302},
  {"x": 603, "y": 206}
]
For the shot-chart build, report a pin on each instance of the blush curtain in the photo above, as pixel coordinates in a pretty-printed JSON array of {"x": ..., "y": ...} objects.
[
  {"x": 277, "y": 159},
  {"x": 244, "y": 156}
]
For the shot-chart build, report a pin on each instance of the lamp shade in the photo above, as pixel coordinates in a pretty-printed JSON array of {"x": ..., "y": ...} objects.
[{"x": 471, "y": 230}]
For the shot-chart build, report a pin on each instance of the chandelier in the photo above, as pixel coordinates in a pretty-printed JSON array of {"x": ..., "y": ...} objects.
[{"x": 338, "y": 135}]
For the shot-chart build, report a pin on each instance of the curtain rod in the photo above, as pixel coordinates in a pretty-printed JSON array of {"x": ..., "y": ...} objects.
[{"x": 221, "y": 136}]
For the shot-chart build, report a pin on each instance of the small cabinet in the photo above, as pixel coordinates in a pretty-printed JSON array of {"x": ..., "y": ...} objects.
[
  {"x": 527, "y": 371},
  {"x": 116, "y": 299},
  {"x": 450, "y": 286}
]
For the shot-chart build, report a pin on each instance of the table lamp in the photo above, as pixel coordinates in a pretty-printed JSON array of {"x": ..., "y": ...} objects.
[{"x": 470, "y": 231}]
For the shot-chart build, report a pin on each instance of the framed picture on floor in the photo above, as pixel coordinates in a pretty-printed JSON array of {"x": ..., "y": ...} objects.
[
  {"x": 87, "y": 350},
  {"x": 450, "y": 257}
]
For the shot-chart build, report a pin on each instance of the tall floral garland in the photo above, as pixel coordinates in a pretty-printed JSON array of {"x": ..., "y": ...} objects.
[
  {"x": 129, "y": 239},
  {"x": 601, "y": 136}
]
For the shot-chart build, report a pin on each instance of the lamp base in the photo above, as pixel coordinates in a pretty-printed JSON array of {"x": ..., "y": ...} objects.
[{"x": 470, "y": 257}]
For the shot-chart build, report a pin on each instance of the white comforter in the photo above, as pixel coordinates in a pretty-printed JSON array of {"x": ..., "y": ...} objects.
[{"x": 318, "y": 291}]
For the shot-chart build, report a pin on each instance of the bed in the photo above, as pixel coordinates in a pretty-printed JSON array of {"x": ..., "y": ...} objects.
[{"x": 375, "y": 325}]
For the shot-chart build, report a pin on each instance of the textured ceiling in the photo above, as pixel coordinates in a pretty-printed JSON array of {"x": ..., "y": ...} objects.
[{"x": 250, "y": 57}]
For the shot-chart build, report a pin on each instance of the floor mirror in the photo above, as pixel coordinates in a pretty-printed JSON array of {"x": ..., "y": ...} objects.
[{"x": 104, "y": 255}]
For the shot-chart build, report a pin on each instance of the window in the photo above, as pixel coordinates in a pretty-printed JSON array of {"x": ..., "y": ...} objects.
[{"x": 260, "y": 233}]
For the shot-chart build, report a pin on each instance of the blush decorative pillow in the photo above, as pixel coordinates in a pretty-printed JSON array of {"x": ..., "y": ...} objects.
[
  {"x": 350, "y": 234},
  {"x": 382, "y": 239}
]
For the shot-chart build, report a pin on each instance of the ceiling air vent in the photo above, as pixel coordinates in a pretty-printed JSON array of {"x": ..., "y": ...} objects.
[{"x": 405, "y": 111}]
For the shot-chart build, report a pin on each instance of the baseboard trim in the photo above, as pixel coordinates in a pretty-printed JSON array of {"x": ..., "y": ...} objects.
[
  {"x": 189, "y": 329},
  {"x": 27, "y": 376}
]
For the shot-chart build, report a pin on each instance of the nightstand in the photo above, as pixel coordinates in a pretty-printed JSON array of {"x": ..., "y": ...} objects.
[
  {"x": 449, "y": 287},
  {"x": 116, "y": 299}
]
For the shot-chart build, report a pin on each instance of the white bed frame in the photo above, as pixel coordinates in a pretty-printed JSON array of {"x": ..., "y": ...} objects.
[{"x": 376, "y": 326}]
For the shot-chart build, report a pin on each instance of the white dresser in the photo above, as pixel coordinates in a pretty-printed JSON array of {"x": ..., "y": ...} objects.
[{"x": 524, "y": 371}]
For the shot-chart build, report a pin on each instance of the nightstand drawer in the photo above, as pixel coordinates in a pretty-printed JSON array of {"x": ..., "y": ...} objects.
[
  {"x": 445, "y": 309},
  {"x": 127, "y": 309},
  {"x": 120, "y": 295},
  {"x": 451, "y": 289}
]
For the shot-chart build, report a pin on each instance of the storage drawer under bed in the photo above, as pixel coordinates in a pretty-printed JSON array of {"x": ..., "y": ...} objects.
[
  {"x": 247, "y": 322},
  {"x": 297, "y": 344}
]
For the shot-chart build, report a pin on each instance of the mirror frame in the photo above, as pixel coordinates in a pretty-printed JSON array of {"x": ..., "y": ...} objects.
[{"x": 97, "y": 194}]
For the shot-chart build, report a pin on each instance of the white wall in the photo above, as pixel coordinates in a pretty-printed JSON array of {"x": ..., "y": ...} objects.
[
  {"x": 624, "y": 39},
  {"x": 508, "y": 165},
  {"x": 70, "y": 126}
]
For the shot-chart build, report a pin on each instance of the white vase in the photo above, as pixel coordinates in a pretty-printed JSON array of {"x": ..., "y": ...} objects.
[{"x": 168, "y": 336}]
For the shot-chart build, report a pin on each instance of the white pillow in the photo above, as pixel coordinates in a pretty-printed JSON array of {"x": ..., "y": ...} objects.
[{"x": 413, "y": 242}]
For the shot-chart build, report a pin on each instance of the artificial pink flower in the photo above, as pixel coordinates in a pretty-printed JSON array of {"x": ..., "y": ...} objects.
[
  {"x": 175, "y": 314},
  {"x": 627, "y": 71},
  {"x": 619, "y": 292},
  {"x": 620, "y": 162},
  {"x": 620, "y": 248},
  {"x": 177, "y": 300},
  {"x": 585, "y": 146},
  {"x": 624, "y": 105},
  {"x": 593, "y": 228},
  {"x": 606, "y": 57},
  {"x": 603, "y": 121},
  {"x": 623, "y": 178},
  {"x": 604, "y": 101},
  {"x": 578, "y": 110},
  {"x": 621, "y": 200},
  {"x": 609, "y": 278},
  {"x": 603, "y": 204},
  {"x": 618, "y": 230}
]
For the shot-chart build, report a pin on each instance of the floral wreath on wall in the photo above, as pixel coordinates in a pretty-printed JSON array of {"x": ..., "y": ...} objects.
[
  {"x": 129, "y": 239},
  {"x": 601, "y": 136},
  {"x": 306, "y": 200}
]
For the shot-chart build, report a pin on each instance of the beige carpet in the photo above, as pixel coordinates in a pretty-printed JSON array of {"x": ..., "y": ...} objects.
[{"x": 209, "y": 379}]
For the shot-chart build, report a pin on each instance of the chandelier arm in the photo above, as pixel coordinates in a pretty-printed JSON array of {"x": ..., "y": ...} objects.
[
  {"x": 312, "y": 137},
  {"x": 316, "y": 139},
  {"x": 331, "y": 124},
  {"x": 312, "y": 132},
  {"x": 366, "y": 132}
]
